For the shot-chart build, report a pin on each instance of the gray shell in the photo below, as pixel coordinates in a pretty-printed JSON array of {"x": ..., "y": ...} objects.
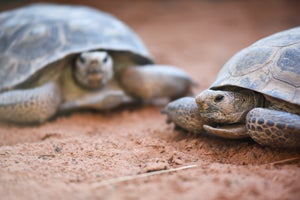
[
  {"x": 35, "y": 36},
  {"x": 270, "y": 66}
]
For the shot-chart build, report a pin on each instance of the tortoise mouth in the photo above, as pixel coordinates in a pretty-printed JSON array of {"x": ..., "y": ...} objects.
[
  {"x": 232, "y": 131},
  {"x": 224, "y": 119}
]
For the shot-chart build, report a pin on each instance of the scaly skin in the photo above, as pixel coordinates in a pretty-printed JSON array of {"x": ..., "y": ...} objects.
[
  {"x": 226, "y": 110},
  {"x": 30, "y": 105},
  {"x": 227, "y": 106},
  {"x": 273, "y": 127},
  {"x": 234, "y": 114},
  {"x": 184, "y": 113},
  {"x": 155, "y": 81}
]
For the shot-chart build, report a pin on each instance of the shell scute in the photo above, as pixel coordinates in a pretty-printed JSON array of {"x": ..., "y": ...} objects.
[
  {"x": 270, "y": 66},
  {"x": 287, "y": 67},
  {"x": 35, "y": 36}
]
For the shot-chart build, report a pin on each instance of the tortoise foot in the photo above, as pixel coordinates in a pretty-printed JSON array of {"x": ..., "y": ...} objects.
[
  {"x": 156, "y": 81},
  {"x": 274, "y": 128},
  {"x": 184, "y": 113},
  {"x": 28, "y": 106}
]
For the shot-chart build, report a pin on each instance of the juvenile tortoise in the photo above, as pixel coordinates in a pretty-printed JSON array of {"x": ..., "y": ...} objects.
[
  {"x": 256, "y": 94},
  {"x": 57, "y": 58}
]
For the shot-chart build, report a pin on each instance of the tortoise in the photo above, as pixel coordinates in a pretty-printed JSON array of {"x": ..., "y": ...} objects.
[
  {"x": 60, "y": 58},
  {"x": 256, "y": 94}
]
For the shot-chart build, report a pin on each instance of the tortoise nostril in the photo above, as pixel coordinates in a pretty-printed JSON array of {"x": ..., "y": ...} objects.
[{"x": 219, "y": 98}]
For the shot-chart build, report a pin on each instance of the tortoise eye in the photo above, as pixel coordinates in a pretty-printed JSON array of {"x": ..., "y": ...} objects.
[
  {"x": 219, "y": 98},
  {"x": 82, "y": 59},
  {"x": 105, "y": 59}
]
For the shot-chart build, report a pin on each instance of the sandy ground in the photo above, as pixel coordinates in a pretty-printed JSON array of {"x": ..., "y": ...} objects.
[{"x": 92, "y": 155}]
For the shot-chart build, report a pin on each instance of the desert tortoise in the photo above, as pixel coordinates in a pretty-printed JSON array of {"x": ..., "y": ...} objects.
[
  {"x": 256, "y": 94},
  {"x": 56, "y": 58}
]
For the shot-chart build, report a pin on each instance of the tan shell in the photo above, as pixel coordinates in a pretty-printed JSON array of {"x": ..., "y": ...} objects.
[
  {"x": 270, "y": 66},
  {"x": 35, "y": 36}
]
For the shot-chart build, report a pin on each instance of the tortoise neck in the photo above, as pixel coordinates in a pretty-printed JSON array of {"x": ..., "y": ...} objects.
[{"x": 277, "y": 104}]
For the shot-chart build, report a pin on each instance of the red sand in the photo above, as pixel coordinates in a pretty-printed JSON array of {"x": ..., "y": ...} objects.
[{"x": 76, "y": 156}]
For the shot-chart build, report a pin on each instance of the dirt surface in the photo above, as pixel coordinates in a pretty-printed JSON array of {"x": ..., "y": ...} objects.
[{"x": 90, "y": 155}]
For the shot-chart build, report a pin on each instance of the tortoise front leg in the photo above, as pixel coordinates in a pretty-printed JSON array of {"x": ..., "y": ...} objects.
[
  {"x": 274, "y": 128},
  {"x": 155, "y": 81},
  {"x": 30, "y": 105},
  {"x": 102, "y": 100},
  {"x": 184, "y": 113}
]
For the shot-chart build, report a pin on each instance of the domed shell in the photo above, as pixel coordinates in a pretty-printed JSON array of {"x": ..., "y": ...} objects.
[
  {"x": 37, "y": 35},
  {"x": 270, "y": 66}
]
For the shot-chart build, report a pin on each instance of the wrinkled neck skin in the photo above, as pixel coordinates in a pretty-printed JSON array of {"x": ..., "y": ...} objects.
[{"x": 227, "y": 105}]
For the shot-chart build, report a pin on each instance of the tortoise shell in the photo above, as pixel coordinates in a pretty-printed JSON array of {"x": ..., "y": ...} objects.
[
  {"x": 35, "y": 36},
  {"x": 270, "y": 66}
]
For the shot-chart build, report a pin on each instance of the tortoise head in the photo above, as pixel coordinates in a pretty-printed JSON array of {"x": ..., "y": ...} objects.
[
  {"x": 93, "y": 70},
  {"x": 226, "y": 106}
]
